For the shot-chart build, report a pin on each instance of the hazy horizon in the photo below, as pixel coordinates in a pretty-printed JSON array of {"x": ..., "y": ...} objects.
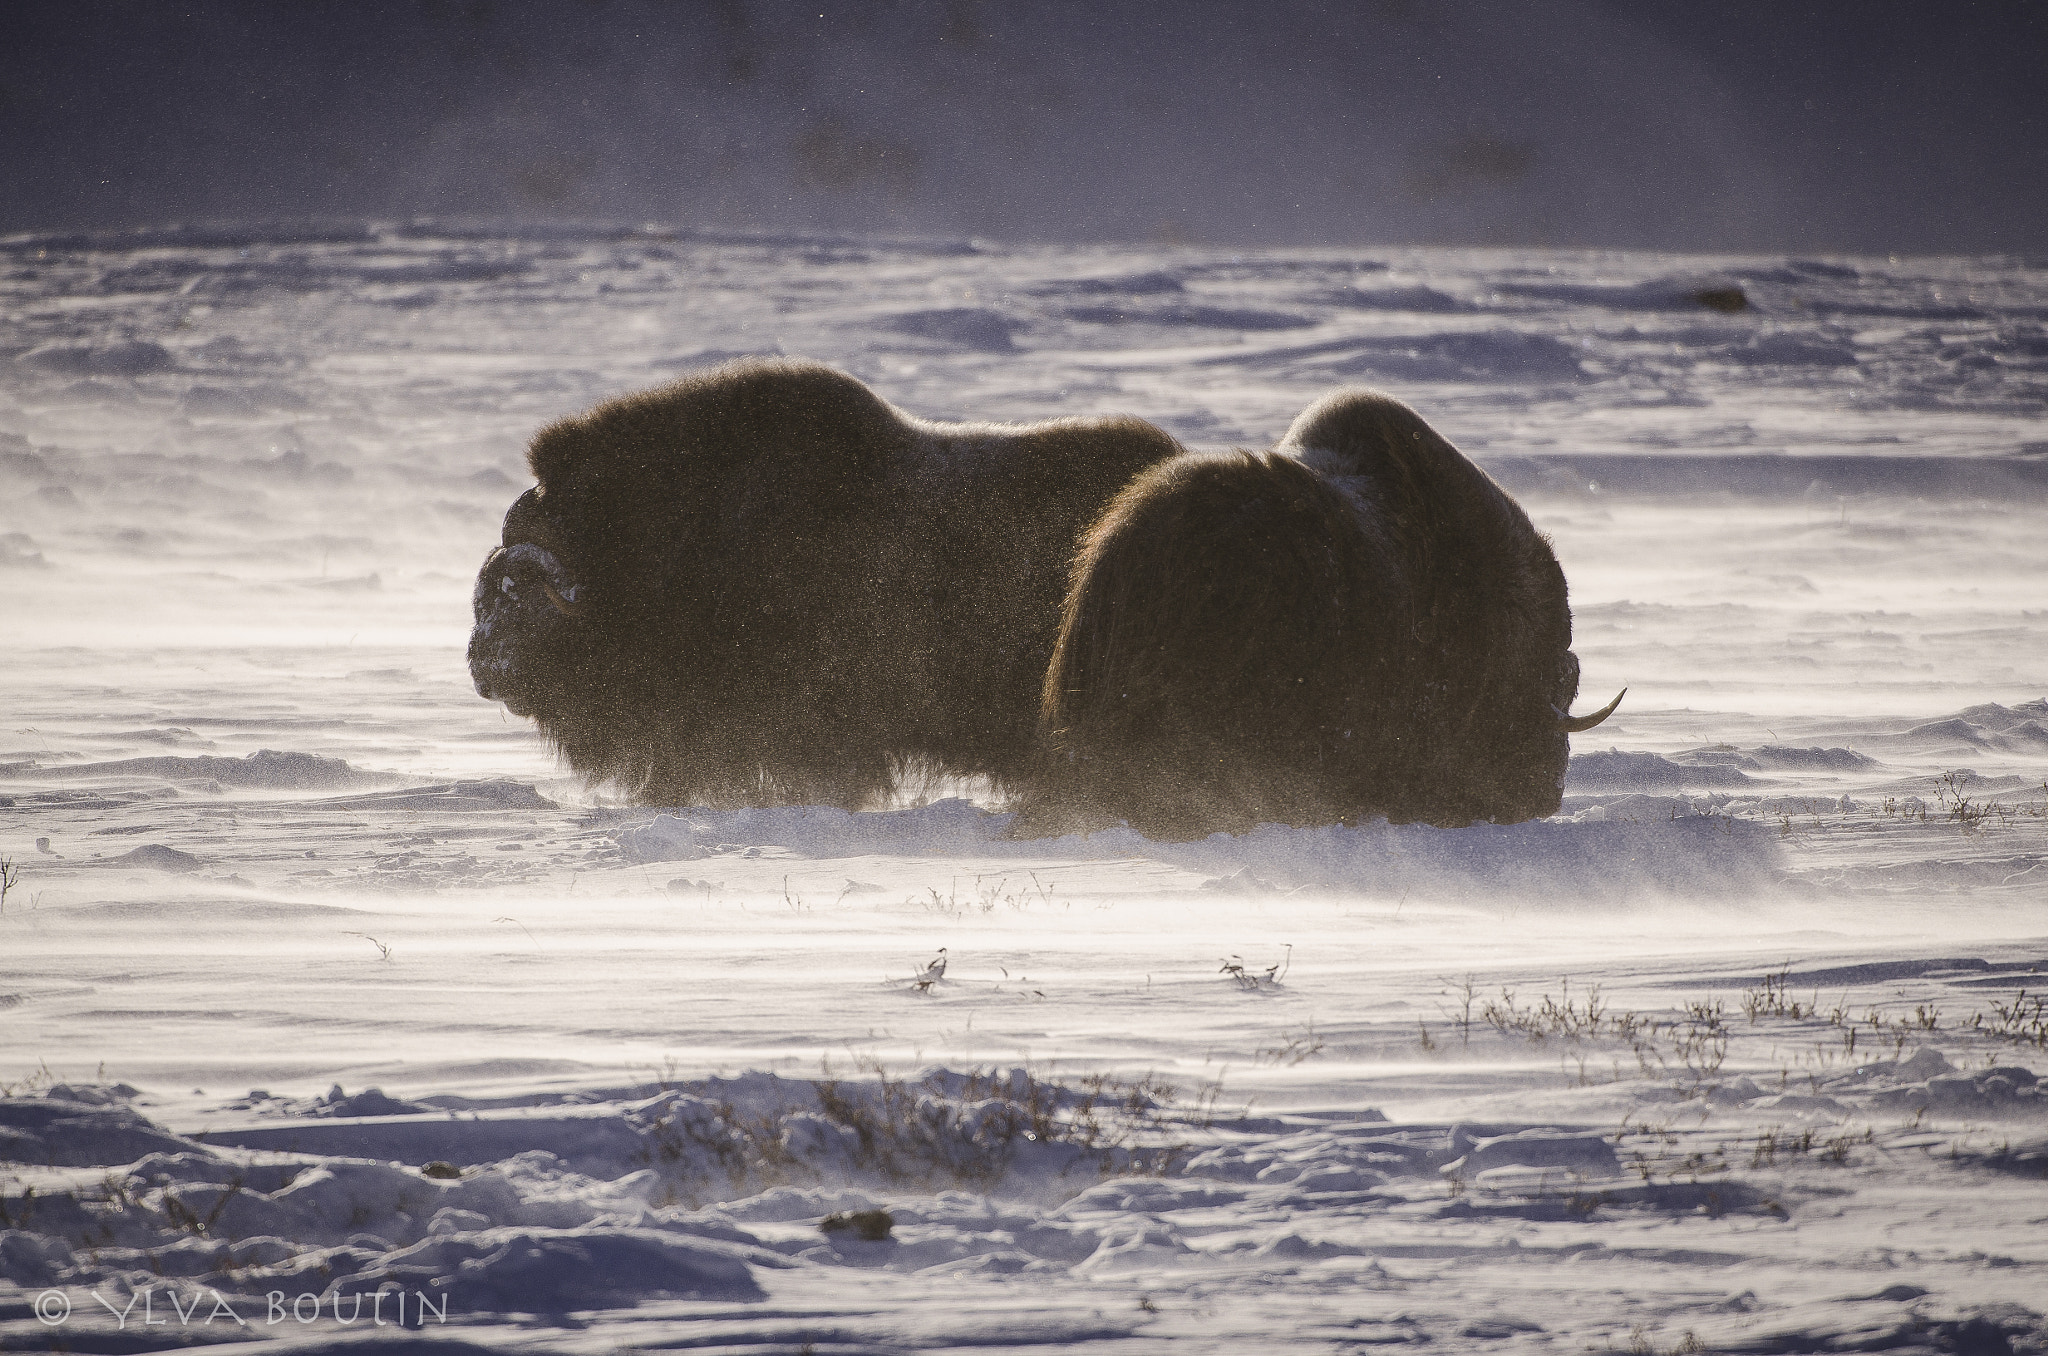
[{"x": 1575, "y": 123}]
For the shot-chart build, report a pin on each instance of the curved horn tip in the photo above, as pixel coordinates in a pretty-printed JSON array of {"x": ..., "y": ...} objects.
[
  {"x": 561, "y": 604},
  {"x": 1580, "y": 724}
]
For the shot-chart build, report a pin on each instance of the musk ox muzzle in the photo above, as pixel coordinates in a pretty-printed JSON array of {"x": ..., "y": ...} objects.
[{"x": 524, "y": 596}]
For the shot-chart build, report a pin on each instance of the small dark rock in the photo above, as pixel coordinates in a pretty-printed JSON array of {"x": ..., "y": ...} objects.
[
  {"x": 872, "y": 1225},
  {"x": 1727, "y": 300}
]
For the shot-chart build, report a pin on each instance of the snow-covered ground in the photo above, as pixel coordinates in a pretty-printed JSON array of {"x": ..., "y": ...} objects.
[{"x": 318, "y": 980}]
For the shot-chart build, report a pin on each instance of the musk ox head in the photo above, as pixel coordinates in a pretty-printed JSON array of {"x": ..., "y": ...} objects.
[{"x": 1488, "y": 643}]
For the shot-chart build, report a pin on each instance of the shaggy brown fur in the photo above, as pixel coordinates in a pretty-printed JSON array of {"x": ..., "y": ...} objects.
[
  {"x": 1357, "y": 623},
  {"x": 769, "y": 586},
  {"x": 785, "y": 590}
]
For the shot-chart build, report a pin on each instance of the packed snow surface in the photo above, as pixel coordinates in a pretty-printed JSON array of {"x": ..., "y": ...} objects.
[{"x": 331, "y": 1010}]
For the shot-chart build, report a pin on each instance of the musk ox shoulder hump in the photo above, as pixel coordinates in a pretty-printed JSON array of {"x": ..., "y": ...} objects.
[
  {"x": 748, "y": 410},
  {"x": 1452, "y": 514}
]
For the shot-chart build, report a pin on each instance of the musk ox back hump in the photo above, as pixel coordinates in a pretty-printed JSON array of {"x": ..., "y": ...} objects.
[
  {"x": 1463, "y": 536},
  {"x": 801, "y": 415}
]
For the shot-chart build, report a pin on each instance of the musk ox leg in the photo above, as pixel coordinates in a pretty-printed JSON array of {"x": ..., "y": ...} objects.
[{"x": 1225, "y": 658}]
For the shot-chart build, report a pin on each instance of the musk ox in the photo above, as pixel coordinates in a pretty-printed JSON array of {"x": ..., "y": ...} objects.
[{"x": 763, "y": 584}]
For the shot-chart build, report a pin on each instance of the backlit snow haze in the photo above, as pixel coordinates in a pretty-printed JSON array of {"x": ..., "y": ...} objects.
[{"x": 320, "y": 977}]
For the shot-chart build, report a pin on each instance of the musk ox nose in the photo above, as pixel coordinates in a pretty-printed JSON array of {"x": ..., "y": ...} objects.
[{"x": 491, "y": 640}]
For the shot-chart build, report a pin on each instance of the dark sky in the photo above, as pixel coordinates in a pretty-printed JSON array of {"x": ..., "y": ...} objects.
[{"x": 1877, "y": 126}]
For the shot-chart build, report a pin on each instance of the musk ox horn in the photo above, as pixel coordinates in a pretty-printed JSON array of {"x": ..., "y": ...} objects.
[
  {"x": 573, "y": 609},
  {"x": 1580, "y": 724}
]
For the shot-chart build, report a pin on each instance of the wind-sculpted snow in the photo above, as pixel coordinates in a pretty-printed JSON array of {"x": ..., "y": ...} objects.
[
  {"x": 1135, "y": 284},
  {"x": 1616, "y": 771},
  {"x": 128, "y": 359},
  {"x": 156, "y": 857},
  {"x": 751, "y": 1191},
  {"x": 1491, "y": 355},
  {"x": 1414, "y": 298},
  {"x": 558, "y": 1271},
  {"x": 318, "y": 978},
  {"x": 67, "y": 1133},
  {"x": 1788, "y": 351},
  {"x": 1653, "y": 294},
  {"x": 1201, "y": 317},
  {"x": 965, "y": 327},
  {"x": 265, "y": 769},
  {"x": 1594, "y": 858}
]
